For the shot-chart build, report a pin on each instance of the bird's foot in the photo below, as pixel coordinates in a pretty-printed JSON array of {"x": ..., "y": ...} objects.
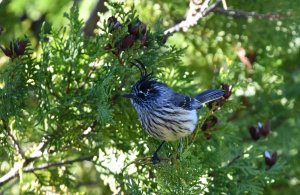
[{"x": 155, "y": 158}]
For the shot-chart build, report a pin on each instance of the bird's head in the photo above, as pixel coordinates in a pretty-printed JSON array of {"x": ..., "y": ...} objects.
[{"x": 146, "y": 90}]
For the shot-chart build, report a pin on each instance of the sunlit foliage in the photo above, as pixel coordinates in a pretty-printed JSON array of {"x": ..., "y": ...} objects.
[{"x": 65, "y": 123}]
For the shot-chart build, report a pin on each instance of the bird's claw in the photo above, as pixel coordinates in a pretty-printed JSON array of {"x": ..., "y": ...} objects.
[{"x": 155, "y": 158}]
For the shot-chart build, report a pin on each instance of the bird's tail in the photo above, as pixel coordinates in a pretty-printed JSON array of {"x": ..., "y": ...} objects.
[{"x": 209, "y": 95}]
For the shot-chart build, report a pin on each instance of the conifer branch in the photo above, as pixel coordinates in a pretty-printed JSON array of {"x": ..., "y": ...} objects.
[
  {"x": 37, "y": 153},
  {"x": 13, "y": 172},
  {"x": 57, "y": 164},
  {"x": 242, "y": 13},
  {"x": 87, "y": 77}
]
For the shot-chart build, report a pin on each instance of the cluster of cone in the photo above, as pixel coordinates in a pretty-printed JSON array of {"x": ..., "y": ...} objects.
[
  {"x": 270, "y": 159},
  {"x": 213, "y": 120},
  {"x": 263, "y": 130},
  {"x": 260, "y": 130},
  {"x": 255, "y": 131},
  {"x": 136, "y": 33},
  {"x": 15, "y": 49}
]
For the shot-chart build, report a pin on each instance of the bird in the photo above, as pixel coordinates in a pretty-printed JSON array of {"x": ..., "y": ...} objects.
[{"x": 163, "y": 113}]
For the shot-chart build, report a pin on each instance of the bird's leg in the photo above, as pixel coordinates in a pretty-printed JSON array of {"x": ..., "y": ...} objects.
[
  {"x": 155, "y": 158},
  {"x": 179, "y": 149}
]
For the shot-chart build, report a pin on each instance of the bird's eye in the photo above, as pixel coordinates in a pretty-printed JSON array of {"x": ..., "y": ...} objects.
[{"x": 141, "y": 94}]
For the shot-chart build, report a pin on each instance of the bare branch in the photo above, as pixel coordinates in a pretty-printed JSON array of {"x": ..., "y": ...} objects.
[
  {"x": 57, "y": 164},
  {"x": 38, "y": 152},
  {"x": 13, "y": 172},
  {"x": 194, "y": 14},
  {"x": 241, "y": 13},
  {"x": 197, "y": 11}
]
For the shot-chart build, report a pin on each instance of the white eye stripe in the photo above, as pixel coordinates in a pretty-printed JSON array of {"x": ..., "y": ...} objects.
[{"x": 142, "y": 92}]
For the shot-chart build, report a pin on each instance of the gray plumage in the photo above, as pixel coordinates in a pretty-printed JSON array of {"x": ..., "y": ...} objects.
[{"x": 164, "y": 113}]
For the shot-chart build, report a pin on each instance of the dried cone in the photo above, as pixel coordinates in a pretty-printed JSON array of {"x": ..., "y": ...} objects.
[
  {"x": 127, "y": 42},
  {"x": 227, "y": 90},
  {"x": 265, "y": 130},
  {"x": 270, "y": 160},
  {"x": 113, "y": 23},
  {"x": 134, "y": 29},
  {"x": 209, "y": 122},
  {"x": 19, "y": 47},
  {"x": 220, "y": 102},
  {"x": 254, "y": 132}
]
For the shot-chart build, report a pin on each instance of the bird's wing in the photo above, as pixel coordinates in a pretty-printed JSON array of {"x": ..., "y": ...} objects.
[
  {"x": 209, "y": 95},
  {"x": 185, "y": 102}
]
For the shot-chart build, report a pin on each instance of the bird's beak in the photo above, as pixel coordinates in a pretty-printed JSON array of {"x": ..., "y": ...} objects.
[{"x": 129, "y": 95}]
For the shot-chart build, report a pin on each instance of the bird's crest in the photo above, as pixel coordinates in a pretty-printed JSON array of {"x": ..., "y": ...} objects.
[{"x": 145, "y": 76}]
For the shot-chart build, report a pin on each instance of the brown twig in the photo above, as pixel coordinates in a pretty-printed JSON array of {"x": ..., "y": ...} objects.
[
  {"x": 57, "y": 164},
  {"x": 87, "y": 77},
  {"x": 15, "y": 170},
  {"x": 234, "y": 160}
]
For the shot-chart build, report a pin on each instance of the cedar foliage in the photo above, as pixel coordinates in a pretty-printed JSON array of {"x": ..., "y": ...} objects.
[{"x": 68, "y": 95}]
